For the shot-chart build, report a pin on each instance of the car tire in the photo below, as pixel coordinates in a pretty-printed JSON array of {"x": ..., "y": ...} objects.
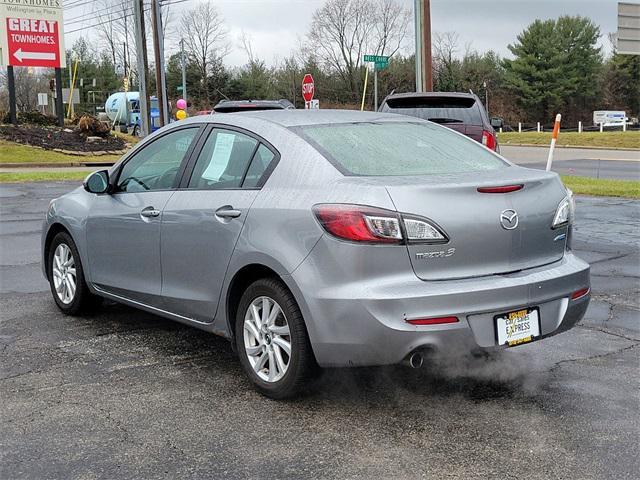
[
  {"x": 81, "y": 300},
  {"x": 301, "y": 366}
]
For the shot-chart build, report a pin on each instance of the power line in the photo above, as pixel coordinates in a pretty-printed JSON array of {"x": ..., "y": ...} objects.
[
  {"x": 76, "y": 3},
  {"x": 172, "y": 2},
  {"x": 103, "y": 22},
  {"x": 84, "y": 16}
]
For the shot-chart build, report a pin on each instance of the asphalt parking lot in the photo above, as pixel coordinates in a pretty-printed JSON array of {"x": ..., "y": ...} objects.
[{"x": 124, "y": 394}]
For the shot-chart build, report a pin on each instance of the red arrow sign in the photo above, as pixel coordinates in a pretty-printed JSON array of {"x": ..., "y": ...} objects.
[
  {"x": 308, "y": 87},
  {"x": 33, "y": 42}
]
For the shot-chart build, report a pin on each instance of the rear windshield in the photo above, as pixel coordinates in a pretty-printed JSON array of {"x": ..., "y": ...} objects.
[
  {"x": 437, "y": 109},
  {"x": 398, "y": 148},
  {"x": 245, "y": 107}
]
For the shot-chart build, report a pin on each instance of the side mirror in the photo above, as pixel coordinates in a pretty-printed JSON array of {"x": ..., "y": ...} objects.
[
  {"x": 97, "y": 182},
  {"x": 496, "y": 122}
]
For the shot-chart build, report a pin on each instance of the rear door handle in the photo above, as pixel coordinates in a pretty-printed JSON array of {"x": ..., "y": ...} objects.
[
  {"x": 150, "y": 212},
  {"x": 226, "y": 212}
]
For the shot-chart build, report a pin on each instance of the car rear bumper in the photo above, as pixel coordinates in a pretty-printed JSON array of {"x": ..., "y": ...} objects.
[{"x": 357, "y": 323}]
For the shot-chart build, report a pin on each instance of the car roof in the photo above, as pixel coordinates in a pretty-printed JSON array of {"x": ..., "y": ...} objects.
[{"x": 259, "y": 119}]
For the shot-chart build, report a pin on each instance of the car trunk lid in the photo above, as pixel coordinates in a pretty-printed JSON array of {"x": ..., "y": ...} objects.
[{"x": 478, "y": 242}]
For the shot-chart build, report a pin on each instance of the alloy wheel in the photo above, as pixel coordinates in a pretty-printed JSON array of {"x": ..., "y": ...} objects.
[
  {"x": 64, "y": 274},
  {"x": 267, "y": 339}
]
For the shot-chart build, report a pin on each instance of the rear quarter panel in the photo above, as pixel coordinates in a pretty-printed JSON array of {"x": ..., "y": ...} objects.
[{"x": 281, "y": 230}]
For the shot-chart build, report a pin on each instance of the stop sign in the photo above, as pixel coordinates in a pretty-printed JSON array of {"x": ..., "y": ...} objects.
[{"x": 308, "y": 88}]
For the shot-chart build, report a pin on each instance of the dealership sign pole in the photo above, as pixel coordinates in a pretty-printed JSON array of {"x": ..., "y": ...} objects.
[{"x": 31, "y": 36}]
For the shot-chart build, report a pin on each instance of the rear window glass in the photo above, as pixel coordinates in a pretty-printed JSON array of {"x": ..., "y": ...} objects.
[
  {"x": 437, "y": 109},
  {"x": 398, "y": 148}
]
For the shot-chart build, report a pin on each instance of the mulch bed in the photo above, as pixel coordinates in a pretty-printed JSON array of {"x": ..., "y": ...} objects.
[{"x": 56, "y": 138}]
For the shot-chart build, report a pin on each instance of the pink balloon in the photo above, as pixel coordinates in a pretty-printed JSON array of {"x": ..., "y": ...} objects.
[{"x": 181, "y": 104}]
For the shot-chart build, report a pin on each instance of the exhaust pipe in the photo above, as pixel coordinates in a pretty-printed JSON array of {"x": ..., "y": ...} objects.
[{"x": 415, "y": 360}]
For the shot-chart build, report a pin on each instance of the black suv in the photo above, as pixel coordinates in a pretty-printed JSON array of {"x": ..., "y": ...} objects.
[
  {"x": 462, "y": 112},
  {"x": 230, "y": 106}
]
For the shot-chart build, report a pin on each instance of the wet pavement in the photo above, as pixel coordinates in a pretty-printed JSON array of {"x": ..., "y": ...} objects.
[{"x": 125, "y": 394}]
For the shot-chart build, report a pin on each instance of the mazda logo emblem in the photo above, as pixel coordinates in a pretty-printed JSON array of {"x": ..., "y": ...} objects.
[{"x": 509, "y": 219}]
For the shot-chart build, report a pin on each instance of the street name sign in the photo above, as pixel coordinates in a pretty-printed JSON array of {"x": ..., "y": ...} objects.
[
  {"x": 381, "y": 61},
  {"x": 376, "y": 58},
  {"x": 31, "y": 33}
]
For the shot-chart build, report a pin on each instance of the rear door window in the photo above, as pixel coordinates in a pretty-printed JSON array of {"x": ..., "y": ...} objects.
[
  {"x": 437, "y": 109},
  {"x": 223, "y": 160},
  {"x": 398, "y": 148}
]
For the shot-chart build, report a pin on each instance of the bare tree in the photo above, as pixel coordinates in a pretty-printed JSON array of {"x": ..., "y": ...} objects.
[
  {"x": 446, "y": 67},
  {"x": 206, "y": 42},
  {"x": 392, "y": 22},
  {"x": 28, "y": 84},
  {"x": 343, "y": 31},
  {"x": 116, "y": 25}
]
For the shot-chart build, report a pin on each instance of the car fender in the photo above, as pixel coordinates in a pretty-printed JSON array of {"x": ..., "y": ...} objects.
[{"x": 70, "y": 211}]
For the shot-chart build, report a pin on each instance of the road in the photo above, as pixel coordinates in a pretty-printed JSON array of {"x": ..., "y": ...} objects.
[
  {"x": 124, "y": 394},
  {"x": 581, "y": 162}
]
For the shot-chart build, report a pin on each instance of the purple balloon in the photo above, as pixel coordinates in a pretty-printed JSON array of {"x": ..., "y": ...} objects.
[{"x": 181, "y": 104}]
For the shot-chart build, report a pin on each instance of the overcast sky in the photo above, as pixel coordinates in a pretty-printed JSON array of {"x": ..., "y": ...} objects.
[{"x": 277, "y": 27}]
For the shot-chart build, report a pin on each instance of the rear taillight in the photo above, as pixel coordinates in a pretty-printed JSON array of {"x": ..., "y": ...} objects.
[
  {"x": 359, "y": 223},
  {"x": 489, "y": 140}
]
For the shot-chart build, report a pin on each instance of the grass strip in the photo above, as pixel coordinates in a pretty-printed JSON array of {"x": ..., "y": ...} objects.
[
  {"x": 11, "y": 152},
  {"x": 630, "y": 140},
  {"x": 602, "y": 187},
  {"x": 42, "y": 176}
]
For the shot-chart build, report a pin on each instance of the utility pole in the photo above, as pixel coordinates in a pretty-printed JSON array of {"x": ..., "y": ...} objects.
[
  {"x": 184, "y": 70},
  {"x": 158, "y": 51},
  {"x": 424, "y": 74},
  {"x": 427, "y": 73},
  {"x": 417, "y": 14},
  {"x": 143, "y": 68}
]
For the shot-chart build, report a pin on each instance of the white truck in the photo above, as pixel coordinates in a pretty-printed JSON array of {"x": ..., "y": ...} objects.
[{"x": 609, "y": 118}]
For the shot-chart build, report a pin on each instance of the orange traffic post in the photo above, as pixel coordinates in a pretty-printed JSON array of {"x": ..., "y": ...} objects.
[{"x": 554, "y": 139}]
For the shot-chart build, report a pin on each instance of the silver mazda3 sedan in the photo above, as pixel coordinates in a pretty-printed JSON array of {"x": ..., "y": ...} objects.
[{"x": 322, "y": 238}]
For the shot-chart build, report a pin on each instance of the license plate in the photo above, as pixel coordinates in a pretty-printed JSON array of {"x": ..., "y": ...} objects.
[{"x": 518, "y": 327}]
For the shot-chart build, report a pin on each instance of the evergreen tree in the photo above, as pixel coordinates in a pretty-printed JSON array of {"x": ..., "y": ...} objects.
[{"x": 556, "y": 66}]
